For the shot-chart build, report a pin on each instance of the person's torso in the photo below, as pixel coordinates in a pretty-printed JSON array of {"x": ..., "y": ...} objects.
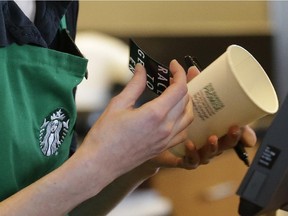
[{"x": 38, "y": 78}]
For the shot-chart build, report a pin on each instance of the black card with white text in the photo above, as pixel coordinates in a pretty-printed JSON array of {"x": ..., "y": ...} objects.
[{"x": 158, "y": 75}]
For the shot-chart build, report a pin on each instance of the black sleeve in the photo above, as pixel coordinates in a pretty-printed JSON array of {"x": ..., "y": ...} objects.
[
  {"x": 71, "y": 18},
  {"x": 71, "y": 15}
]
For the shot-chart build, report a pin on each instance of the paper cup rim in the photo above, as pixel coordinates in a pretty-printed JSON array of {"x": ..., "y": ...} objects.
[{"x": 273, "y": 95}]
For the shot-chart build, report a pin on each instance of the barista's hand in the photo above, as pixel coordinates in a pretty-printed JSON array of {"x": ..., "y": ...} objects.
[
  {"x": 127, "y": 136},
  {"x": 214, "y": 146},
  {"x": 235, "y": 134}
]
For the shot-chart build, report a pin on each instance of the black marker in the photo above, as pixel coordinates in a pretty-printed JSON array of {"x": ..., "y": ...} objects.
[
  {"x": 192, "y": 61},
  {"x": 239, "y": 148},
  {"x": 242, "y": 154}
]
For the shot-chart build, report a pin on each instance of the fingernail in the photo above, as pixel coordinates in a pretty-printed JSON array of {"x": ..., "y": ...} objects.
[
  {"x": 138, "y": 66},
  {"x": 174, "y": 61}
]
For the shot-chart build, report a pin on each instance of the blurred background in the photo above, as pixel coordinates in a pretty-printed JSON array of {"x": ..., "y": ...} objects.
[{"x": 168, "y": 30}]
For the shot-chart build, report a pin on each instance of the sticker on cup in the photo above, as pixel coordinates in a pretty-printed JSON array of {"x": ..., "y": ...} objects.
[
  {"x": 206, "y": 102},
  {"x": 158, "y": 75}
]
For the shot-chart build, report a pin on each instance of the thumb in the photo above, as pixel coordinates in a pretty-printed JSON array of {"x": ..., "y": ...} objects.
[{"x": 135, "y": 86}]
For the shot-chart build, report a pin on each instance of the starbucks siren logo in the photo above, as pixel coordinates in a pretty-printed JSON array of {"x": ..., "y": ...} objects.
[{"x": 53, "y": 132}]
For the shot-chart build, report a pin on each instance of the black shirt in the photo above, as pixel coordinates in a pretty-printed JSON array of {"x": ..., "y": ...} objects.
[{"x": 15, "y": 27}]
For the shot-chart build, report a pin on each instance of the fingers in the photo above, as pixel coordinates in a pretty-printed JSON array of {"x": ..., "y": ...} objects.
[
  {"x": 166, "y": 160},
  {"x": 190, "y": 161},
  {"x": 169, "y": 98},
  {"x": 192, "y": 73},
  {"x": 192, "y": 158},
  {"x": 209, "y": 150},
  {"x": 174, "y": 106},
  {"x": 246, "y": 134},
  {"x": 176, "y": 91},
  {"x": 248, "y": 138},
  {"x": 230, "y": 139},
  {"x": 134, "y": 88},
  {"x": 185, "y": 118}
]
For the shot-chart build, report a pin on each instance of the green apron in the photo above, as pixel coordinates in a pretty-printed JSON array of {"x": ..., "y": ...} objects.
[{"x": 38, "y": 111}]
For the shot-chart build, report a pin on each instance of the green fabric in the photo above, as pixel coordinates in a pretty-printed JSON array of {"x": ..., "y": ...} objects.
[
  {"x": 63, "y": 24},
  {"x": 36, "y": 93}
]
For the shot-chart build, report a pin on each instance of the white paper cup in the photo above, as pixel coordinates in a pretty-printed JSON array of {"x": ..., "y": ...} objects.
[{"x": 232, "y": 90}]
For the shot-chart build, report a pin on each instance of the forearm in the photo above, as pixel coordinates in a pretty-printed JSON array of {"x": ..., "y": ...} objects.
[
  {"x": 111, "y": 195},
  {"x": 60, "y": 191}
]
